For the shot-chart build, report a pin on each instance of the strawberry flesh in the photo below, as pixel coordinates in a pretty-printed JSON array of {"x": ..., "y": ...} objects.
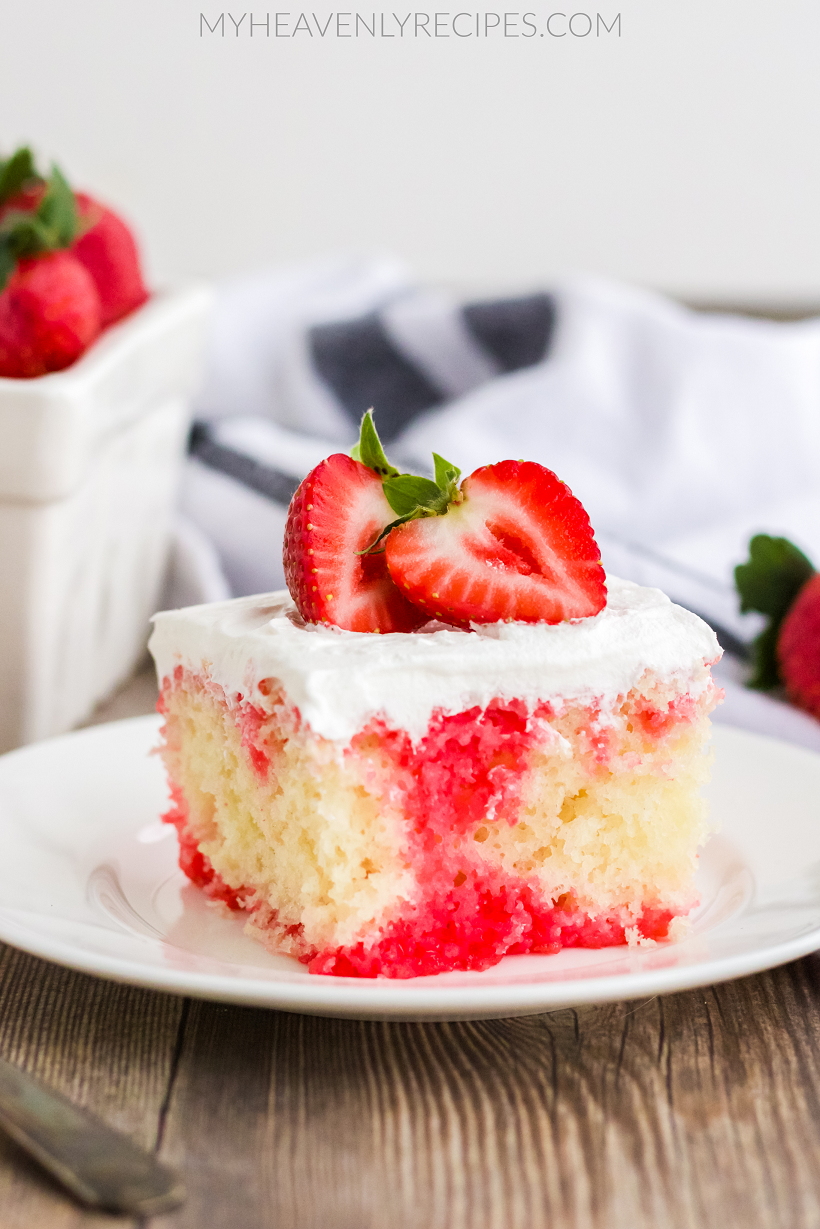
[
  {"x": 338, "y": 511},
  {"x": 518, "y": 547},
  {"x": 49, "y": 315}
]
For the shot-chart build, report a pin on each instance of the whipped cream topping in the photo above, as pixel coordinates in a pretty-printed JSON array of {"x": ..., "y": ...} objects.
[{"x": 339, "y": 680}]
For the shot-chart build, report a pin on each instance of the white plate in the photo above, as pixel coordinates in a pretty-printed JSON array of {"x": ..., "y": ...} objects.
[{"x": 88, "y": 877}]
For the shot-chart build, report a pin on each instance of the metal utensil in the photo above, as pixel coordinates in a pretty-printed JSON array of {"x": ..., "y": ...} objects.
[{"x": 97, "y": 1164}]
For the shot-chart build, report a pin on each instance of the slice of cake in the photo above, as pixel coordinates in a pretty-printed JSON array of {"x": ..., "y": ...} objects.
[
  {"x": 418, "y": 801},
  {"x": 511, "y": 765}
]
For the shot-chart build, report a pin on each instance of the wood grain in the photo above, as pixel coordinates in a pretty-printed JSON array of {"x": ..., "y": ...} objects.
[
  {"x": 700, "y": 1109},
  {"x": 108, "y": 1047},
  {"x": 687, "y": 1112}
]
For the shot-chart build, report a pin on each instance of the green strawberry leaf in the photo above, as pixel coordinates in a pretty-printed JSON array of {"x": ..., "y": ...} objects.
[
  {"x": 21, "y": 235},
  {"x": 24, "y": 233},
  {"x": 7, "y": 263},
  {"x": 16, "y": 172},
  {"x": 765, "y": 672},
  {"x": 774, "y": 574},
  {"x": 58, "y": 211},
  {"x": 768, "y": 583},
  {"x": 407, "y": 492},
  {"x": 413, "y": 497},
  {"x": 50, "y": 228},
  {"x": 369, "y": 449},
  {"x": 446, "y": 474}
]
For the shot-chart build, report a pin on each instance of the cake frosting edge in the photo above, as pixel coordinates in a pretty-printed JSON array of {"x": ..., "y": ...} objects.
[{"x": 340, "y": 680}]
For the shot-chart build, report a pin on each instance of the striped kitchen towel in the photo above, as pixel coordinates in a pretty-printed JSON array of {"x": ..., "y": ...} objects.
[
  {"x": 681, "y": 433},
  {"x": 240, "y": 481},
  {"x": 424, "y": 350},
  {"x": 312, "y": 347}
]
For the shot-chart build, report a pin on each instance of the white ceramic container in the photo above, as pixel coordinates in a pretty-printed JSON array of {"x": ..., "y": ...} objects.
[{"x": 89, "y": 463}]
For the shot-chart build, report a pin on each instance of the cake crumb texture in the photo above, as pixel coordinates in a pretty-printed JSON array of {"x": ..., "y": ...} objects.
[{"x": 502, "y": 830}]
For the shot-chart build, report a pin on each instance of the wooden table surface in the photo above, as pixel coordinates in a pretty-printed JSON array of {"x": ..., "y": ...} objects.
[{"x": 696, "y": 1109}]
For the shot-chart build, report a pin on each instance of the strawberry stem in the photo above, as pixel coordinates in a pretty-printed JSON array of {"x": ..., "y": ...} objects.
[
  {"x": 408, "y": 494},
  {"x": 16, "y": 173},
  {"x": 52, "y": 226}
]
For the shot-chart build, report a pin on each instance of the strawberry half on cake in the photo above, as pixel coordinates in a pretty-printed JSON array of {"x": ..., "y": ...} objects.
[{"x": 452, "y": 741}]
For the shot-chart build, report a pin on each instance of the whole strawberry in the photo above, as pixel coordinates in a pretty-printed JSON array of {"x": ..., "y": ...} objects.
[
  {"x": 49, "y": 315},
  {"x": 798, "y": 647},
  {"x": 781, "y": 583},
  {"x": 49, "y": 306},
  {"x": 102, "y": 242},
  {"x": 108, "y": 250}
]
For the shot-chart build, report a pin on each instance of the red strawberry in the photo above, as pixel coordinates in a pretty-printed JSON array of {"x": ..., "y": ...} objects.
[
  {"x": 517, "y": 545},
  {"x": 108, "y": 250},
  {"x": 798, "y": 647},
  {"x": 339, "y": 510},
  {"x": 49, "y": 315},
  {"x": 102, "y": 241},
  {"x": 49, "y": 305}
]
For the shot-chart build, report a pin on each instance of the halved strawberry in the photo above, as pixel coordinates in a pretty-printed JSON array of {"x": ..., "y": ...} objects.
[
  {"x": 512, "y": 543},
  {"x": 337, "y": 513}
]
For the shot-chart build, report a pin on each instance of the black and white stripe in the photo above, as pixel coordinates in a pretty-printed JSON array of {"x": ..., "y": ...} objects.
[
  {"x": 243, "y": 468},
  {"x": 420, "y": 352}
]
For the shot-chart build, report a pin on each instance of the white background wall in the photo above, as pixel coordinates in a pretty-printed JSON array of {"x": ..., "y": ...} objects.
[{"x": 684, "y": 154}]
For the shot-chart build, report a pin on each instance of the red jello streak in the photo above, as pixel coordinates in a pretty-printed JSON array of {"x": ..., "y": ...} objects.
[
  {"x": 657, "y": 722},
  {"x": 464, "y": 774},
  {"x": 196, "y": 865}
]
